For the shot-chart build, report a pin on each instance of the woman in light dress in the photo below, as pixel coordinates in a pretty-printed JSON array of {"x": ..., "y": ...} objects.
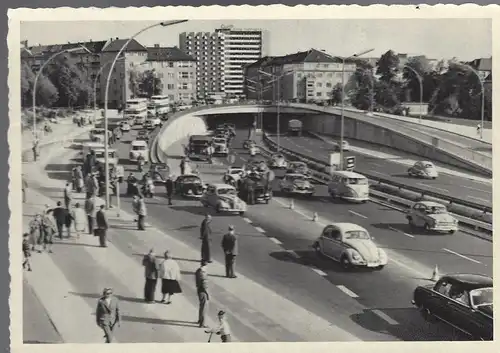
[
  {"x": 170, "y": 275},
  {"x": 79, "y": 219}
]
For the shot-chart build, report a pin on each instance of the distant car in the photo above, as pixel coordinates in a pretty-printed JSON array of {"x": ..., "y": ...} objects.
[
  {"x": 248, "y": 143},
  {"x": 253, "y": 150},
  {"x": 223, "y": 198},
  {"x": 423, "y": 169},
  {"x": 296, "y": 184},
  {"x": 149, "y": 124},
  {"x": 298, "y": 168},
  {"x": 233, "y": 174},
  {"x": 431, "y": 216},
  {"x": 143, "y": 135},
  {"x": 463, "y": 301},
  {"x": 220, "y": 146},
  {"x": 278, "y": 161},
  {"x": 156, "y": 121},
  {"x": 351, "y": 245},
  {"x": 345, "y": 146},
  {"x": 189, "y": 185},
  {"x": 124, "y": 127},
  {"x": 257, "y": 164}
]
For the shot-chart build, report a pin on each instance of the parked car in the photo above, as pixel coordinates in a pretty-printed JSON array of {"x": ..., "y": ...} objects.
[
  {"x": 189, "y": 185},
  {"x": 423, "y": 169},
  {"x": 463, "y": 301},
  {"x": 345, "y": 146},
  {"x": 248, "y": 143},
  {"x": 124, "y": 127},
  {"x": 296, "y": 184},
  {"x": 144, "y": 135},
  {"x": 351, "y": 245},
  {"x": 431, "y": 216},
  {"x": 298, "y": 168},
  {"x": 223, "y": 198},
  {"x": 278, "y": 161}
]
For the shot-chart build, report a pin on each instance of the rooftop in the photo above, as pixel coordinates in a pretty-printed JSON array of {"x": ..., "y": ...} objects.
[
  {"x": 482, "y": 64},
  {"x": 116, "y": 44},
  {"x": 158, "y": 53},
  {"x": 311, "y": 56}
]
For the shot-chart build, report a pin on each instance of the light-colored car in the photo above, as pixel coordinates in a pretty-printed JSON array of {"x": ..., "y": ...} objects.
[
  {"x": 233, "y": 174},
  {"x": 431, "y": 216},
  {"x": 253, "y": 150},
  {"x": 125, "y": 126},
  {"x": 345, "y": 146},
  {"x": 138, "y": 148},
  {"x": 296, "y": 184},
  {"x": 423, "y": 169},
  {"x": 223, "y": 198},
  {"x": 298, "y": 168},
  {"x": 96, "y": 135},
  {"x": 278, "y": 161},
  {"x": 351, "y": 245},
  {"x": 112, "y": 156},
  {"x": 156, "y": 121},
  {"x": 149, "y": 124},
  {"x": 220, "y": 146}
]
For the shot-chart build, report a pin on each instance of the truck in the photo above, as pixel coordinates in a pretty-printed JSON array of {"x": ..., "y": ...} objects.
[
  {"x": 261, "y": 185},
  {"x": 197, "y": 147},
  {"x": 295, "y": 127}
]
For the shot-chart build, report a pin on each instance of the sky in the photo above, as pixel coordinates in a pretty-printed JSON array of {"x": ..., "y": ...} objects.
[{"x": 464, "y": 39}]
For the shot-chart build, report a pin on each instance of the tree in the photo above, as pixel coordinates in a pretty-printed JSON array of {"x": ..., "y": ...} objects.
[
  {"x": 388, "y": 66},
  {"x": 149, "y": 84},
  {"x": 71, "y": 83},
  {"x": 134, "y": 80},
  {"x": 386, "y": 95},
  {"x": 361, "y": 93},
  {"x": 412, "y": 81},
  {"x": 46, "y": 92},
  {"x": 336, "y": 94}
]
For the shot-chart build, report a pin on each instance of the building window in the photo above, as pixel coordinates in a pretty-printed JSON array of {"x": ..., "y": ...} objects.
[
  {"x": 328, "y": 84},
  {"x": 319, "y": 74},
  {"x": 318, "y": 94},
  {"x": 183, "y": 75},
  {"x": 170, "y": 86},
  {"x": 325, "y": 66},
  {"x": 319, "y": 84},
  {"x": 170, "y": 64},
  {"x": 329, "y": 74},
  {"x": 171, "y": 75}
]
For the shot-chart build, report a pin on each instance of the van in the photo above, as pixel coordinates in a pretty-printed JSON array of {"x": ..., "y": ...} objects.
[
  {"x": 349, "y": 186},
  {"x": 100, "y": 154},
  {"x": 89, "y": 146},
  {"x": 137, "y": 148}
]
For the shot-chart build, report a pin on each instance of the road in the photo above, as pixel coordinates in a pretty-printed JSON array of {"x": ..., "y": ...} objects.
[
  {"x": 388, "y": 292},
  {"x": 472, "y": 190}
]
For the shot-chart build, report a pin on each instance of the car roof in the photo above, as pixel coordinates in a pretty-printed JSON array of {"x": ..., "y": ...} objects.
[
  {"x": 222, "y": 186},
  {"x": 345, "y": 226},
  {"x": 431, "y": 204},
  {"x": 425, "y": 162},
  {"x": 139, "y": 143},
  {"x": 298, "y": 162},
  {"x": 294, "y": 175},
  {"x": 188, "y": 175},
  {"x": 470, "y": 280}
]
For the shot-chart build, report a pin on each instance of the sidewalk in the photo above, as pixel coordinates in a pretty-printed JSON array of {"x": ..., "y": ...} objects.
[{"x": 255, "y": 312}]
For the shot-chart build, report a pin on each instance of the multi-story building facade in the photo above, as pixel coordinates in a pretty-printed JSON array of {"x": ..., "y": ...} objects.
[
  {"x": 221, "y": 56},
  {"x": 308, "y": 76}
]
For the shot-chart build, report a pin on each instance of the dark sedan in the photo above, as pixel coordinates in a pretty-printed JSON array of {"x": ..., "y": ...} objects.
[
  {"x": 189, "y": 185},
  {"x": 463, "y": 301}
]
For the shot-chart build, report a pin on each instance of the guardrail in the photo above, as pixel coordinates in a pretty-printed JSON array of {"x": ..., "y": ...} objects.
[{"x": 320, "y": 176}]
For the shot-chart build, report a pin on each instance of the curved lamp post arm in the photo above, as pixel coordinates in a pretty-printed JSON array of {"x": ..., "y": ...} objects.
[
  {"x": 421, "y": 83},
  {"x": 97, "y": 78},
  {"x": 474, "y": 71}
]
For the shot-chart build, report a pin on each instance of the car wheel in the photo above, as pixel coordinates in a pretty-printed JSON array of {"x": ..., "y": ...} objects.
[
  {"x": 410, "y": 222},
  {"x": 317, "y": 248},
  {"x": 345, "y": 263},
  {"x": 426, "y": 313},
  {"x": 242, "y": 213},
  {"x": 410, "y": 174},
  {"x": 267, "y": 202},
  {"x": 218, "y": 209},
  {"x": 427, "y": 228},
  {"x": 451, "y": 232},
  {"x": 379, "y": 268}
]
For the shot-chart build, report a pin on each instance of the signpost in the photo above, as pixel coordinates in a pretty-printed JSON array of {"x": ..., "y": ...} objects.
[{"x": 350, "y": 163}]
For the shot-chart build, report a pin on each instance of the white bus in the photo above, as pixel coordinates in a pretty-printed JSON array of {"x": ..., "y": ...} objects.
[
  {"x": 136, "y": 109},
  {"x": 159, "y": 105}
]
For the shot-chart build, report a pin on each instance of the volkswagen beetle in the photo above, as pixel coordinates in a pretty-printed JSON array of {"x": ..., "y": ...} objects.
[
  {"x": 223, "y": 198},
  {"x": 423, "y": 169},
  {"x": 189, "y": 185},
  {"x": 296, "y": 184}
]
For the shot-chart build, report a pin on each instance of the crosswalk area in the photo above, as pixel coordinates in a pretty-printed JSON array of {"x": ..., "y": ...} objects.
[{"x": 70, "y": 280}]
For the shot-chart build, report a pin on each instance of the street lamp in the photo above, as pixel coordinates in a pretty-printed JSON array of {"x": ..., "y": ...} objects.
[
  {"x": 341, "y": 147},
  {"x": 95, "y": 83},
  {"x": 420, "y": 82},
  {"x": 278, "y": 79},
  {"x": 471, "y": 69},
  {"x": 38, "y": 75},
  {"x": 106, "y": 92},
  {"x": 261, "y": 88}
]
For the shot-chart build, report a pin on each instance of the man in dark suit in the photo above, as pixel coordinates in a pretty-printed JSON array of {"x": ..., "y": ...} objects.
[
  {"x": 230, "y": 247},
  {"x": 169, "y": 185},
  {"x": 90, "y": 211},
  {"x": 101, "y": 227},
  {"x": 205, "y": 236},
  {"x": 201, "y": 278},
  {"x": 59, "y": 213},
  {"x": 108, "y": 314}
]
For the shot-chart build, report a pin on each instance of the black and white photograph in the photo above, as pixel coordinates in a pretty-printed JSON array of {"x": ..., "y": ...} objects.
[{"x": 251, "y": 179}]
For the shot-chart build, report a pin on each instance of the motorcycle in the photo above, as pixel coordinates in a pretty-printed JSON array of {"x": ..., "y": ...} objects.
[{"x": 148, "y": 188}]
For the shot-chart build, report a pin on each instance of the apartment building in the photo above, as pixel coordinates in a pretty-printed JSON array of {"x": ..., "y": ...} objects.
[
  {"x": 221, "y": 56},
  {"x": 307, "y": 76}
]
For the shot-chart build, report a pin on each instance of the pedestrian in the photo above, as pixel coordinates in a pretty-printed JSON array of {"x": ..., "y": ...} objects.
[
  {"x": 223, "y": 329},
  {"x": 25, "y": 189},
  {"x": 49, "y": 229},
  {"x": 36, "y": 232},
  {"x": 183, "y": 166},
  {"x": 170, "y": 275},
  {"x": 59, "y": 213},
  {"x": 90, "y": 210},
  {"x": 26, "y": 252},
  {"x": 151, "y": 274},
  {"x": 101, "y": 227},
  {"x": 67, "y": 195},
  {"x": 79, "y": 218},
  {"x": 169, "y": 185},
  {"x": 141, "y": 213},
  {"x": 206, "y": 238},
  {"x": 68, "y": 221},
  {"x": 108, "y": 314},
  {"x": 478, "y": 129},
  {"x": 79, "y": 179},
  {"x": 230, "y": 247},
  {"x": 201, "y": 278},
  {"x": 35, "y": 149}
]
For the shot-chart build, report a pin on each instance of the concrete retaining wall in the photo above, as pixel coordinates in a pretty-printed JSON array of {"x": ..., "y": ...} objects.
[
  {"x": 178, "y": 128},
  {"x": 363, "y": 131}
]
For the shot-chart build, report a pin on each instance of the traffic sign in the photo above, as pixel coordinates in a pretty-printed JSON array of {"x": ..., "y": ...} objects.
[{"x": 349, "y": 163}]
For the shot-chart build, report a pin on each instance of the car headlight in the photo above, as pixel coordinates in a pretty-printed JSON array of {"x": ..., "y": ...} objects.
[
  {"x": 356, "y": 256},
  {"x": 382, "y": 255},
  {"x": 455, "y": 221}
]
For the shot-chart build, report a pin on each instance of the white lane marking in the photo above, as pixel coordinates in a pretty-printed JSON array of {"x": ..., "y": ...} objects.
[
  {"x": 373, "y": 163},
  {"x": 293, "y": 253},
  {"x": 432, "y": 187},
  {"x": 399, "y": 231},
  {"x": 347, "y": 291},
  {"x": 476, "y": 189},
  {"x": 385, "y": 317},
  {"x": 478, "y": 198},
  {"x": 460, "y": 255},
  {"x": 374, "y": 171},
  {"x": 276, "y": 241},
  {"x": 411, "y": 269},
  {"x": 299, "y": 212},
  {"x": 243, "y": 159},
  {"x": 248, "y": 220},
  {"x": 259, "y": 229},
  {"x": 319, "y": 272},
  {"x": 358, "y": 214}
]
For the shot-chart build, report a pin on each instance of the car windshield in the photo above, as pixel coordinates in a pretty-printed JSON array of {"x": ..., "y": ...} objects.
[
  {"x": 219, "y": 141},
  {"x": 279, "y": 156},
  {"x": 298, "y": 178},
  {"x": 356, "y": 181},
  {"x": 437, "y": 210},
  {"x": 235, "y": 171},
  {"x": 227, "y": 191},
  {"x": 191, "y": 179},
  {"x": 428, "y": 165},
  {"x": 138, "y": 148},
  {"x": 482, "y": 296},
  {"x": 357, "y": 234}
]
